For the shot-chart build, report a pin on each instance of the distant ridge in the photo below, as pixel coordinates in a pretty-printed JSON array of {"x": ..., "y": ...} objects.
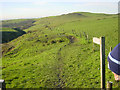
[{"x": 75, "y": 13}]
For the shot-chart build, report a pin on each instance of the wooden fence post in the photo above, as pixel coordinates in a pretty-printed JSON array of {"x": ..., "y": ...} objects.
[
  {"x": 80, "y": 35},
  {"x": 85, "y": 35},
  {"x": 102, "y": 61},
  {"x": 109, "y": 85},
  {"x": 110, "y": 49},
  {"x": 101, "y": 42},
  {"x": 2, "y": 85},
  {"x": 87, "y": 38}
]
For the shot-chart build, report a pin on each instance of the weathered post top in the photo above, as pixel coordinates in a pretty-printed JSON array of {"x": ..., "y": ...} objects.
[{"x": 2, "y": 84}]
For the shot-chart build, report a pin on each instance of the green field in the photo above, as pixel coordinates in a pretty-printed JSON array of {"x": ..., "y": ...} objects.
[{"x": 55, "y": 53}]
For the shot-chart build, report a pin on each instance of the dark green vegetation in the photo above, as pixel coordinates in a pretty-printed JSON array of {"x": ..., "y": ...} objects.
[
  {"x": 12, "y": 29},
  {"x": 55, "y": 51}
]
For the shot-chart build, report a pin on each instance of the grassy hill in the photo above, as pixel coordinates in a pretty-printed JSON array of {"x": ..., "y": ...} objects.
[{"x": 54, "y": 51}]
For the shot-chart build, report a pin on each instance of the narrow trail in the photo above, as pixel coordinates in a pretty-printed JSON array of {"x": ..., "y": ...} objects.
[{"x": 60, "y": 63}]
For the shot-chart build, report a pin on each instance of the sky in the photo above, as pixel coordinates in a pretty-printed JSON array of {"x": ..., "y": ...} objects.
[{"x": 14, "y": 9}]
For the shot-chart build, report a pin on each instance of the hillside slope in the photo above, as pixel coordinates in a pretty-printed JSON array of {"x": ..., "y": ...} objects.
[
  {"x": 12, "y": 29},
  {"x": 55, "y": 53}
]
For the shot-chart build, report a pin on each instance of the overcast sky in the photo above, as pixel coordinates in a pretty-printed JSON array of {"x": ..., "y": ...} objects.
[{"x": 12, "y": 9}]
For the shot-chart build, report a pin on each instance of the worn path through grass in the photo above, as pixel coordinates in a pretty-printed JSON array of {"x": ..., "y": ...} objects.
[{"x": 60, "y": 63}]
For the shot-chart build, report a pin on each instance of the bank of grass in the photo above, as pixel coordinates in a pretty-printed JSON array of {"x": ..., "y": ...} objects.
[{"x": 55, "y": 52}]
